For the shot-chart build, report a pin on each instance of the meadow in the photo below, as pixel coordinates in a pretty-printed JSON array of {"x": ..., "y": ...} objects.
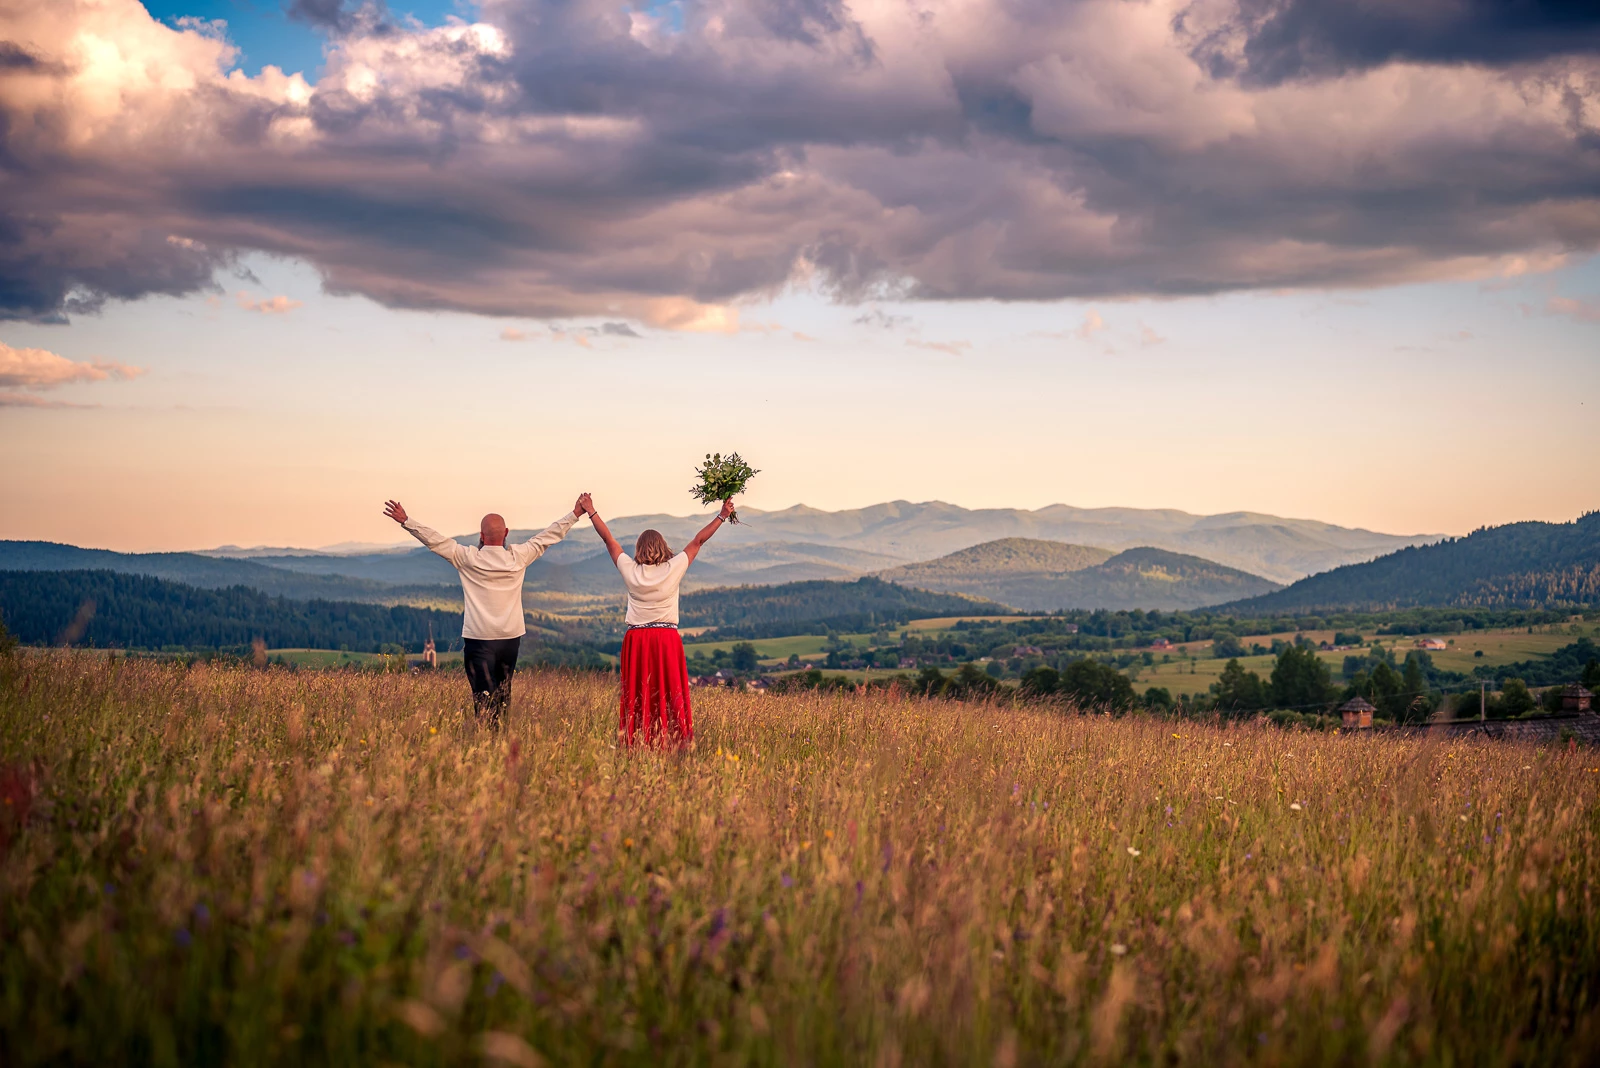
[
  {"x": 218, "y": 863},
  {"x": 1501, "y": 646}
]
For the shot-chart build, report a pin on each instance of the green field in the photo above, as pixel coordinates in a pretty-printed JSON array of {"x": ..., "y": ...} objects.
[
  {"x": 1498, "y": 646},
  {"x": 210, "y": 864},
  {"x": 814, "y": 646}
]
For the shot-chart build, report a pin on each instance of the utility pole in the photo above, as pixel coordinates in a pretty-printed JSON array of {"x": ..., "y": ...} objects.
[{"x": 1483, "y": 700}]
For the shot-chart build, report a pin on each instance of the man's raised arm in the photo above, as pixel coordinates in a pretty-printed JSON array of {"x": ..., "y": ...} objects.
[
  {"x": 448, "y": 548},
  {"x": 534, "y": 547}
]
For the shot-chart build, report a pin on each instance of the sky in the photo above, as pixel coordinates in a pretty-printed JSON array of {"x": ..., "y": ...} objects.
[{"x": 264, "y": 265}]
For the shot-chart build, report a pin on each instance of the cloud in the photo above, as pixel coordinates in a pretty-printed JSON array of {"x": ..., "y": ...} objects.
[
  {"x": 41, "y": 369},
  {"x": 511, "y": 333},
  {"x": 953, "y": 348},
  {"x": 1583, "y": 311},
  {"x": 1092, "y": 325},
  {"x": 618, "y": 330},
  {"x": 279, "y": 305},
  {"x": 576, "y": 159},
  {"x": 1271, "y": 41},
  {"x": 9, "y": 399},
  {"x": 798, "y": 336},
  {"x": 882, "y": 320},
  {"x": 1149, "y": 338}
]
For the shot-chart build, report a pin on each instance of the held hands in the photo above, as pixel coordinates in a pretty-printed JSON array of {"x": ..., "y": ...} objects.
[
  {"x": 394, "y": 510},
  {"x": 585, "y": 505}
]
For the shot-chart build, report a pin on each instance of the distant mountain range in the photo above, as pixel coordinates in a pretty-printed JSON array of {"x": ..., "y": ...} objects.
[
  {"x": 1520, "y": 565},
  {"x": 792, "y": 545},
  {"x": 1044, "y": 576},
  {"x": 1282, "y": 550}
]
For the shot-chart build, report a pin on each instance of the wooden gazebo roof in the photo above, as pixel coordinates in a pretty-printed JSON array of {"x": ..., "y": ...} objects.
[{"x": 1357, "y": 704}]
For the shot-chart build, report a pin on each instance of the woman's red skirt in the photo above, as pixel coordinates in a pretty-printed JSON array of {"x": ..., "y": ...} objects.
[{"x": 655, "y": 689}]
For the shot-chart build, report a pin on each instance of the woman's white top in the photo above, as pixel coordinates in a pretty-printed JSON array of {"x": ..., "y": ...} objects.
[{"x": 652, "y": 589}]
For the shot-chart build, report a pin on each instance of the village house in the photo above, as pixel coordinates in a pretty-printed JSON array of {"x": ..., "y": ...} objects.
[
  {"x": 1575, "y": 698},
  {"x": 1432, "y": 643},
  {"x": 1160, "y": 643},
  {"x": 1356, "y": 713},
  {"x": 1027, "y": 650}
]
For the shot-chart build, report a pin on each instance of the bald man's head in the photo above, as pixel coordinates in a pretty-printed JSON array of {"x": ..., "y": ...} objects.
[{"x": 492, "y": 531}]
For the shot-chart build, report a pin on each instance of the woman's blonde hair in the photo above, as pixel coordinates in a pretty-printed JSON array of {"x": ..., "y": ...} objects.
[{"x": 651, "y": 548}]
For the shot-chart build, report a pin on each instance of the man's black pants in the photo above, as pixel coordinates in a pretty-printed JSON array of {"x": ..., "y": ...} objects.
[{"x": 489, "y": 663}]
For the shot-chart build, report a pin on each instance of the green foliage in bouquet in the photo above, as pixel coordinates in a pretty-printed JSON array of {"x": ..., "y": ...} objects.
[{"x": 721, "y": 477}]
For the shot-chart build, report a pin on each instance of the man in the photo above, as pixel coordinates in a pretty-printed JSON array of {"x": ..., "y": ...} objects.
[{"x": 491, "y": 586}]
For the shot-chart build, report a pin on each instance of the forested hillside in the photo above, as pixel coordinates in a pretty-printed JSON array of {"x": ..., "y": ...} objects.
[
  {"x": 1520, "y": 565},
  {"x": 209, "y": 572},
  {"x": 1047, "y": 576},
  {"x": 110, "y": 610},
  {"x": 1004, "y": 556},
  {"x": 812, "y": 607}
]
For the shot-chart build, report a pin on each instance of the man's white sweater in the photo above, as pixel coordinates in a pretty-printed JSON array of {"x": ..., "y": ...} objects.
[{"x": 491, "y": 576}]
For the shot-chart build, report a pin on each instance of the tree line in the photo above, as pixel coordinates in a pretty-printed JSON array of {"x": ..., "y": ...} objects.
[{"x": 107, "y": 609}]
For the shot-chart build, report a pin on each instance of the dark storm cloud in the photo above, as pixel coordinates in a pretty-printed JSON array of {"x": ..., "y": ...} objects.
[
  {"x": 576, "y": 158},
  {"x": 1270, "y": 41}
]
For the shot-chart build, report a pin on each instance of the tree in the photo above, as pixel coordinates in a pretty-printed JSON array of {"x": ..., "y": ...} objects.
[
  {"x": 1419, "y": 704},
  {"x": 1158, "y": 699},
  {"x": 1225, "y": 646},
  {"x": 1515, "y": 698},
  {"x": 1591, "y": 676},
  {"x": 1386, "y": 690},
  {"x": 995, "y": 669},
  {"x": 1089, "y": 683},
  {"x": 745, "y": 657},
  {"x": 1300, "y": 679},
  {"x": 970, "y": 684},
  {"x": 1239, "y": 690},
  {"x": 930, "y": 682},
  {"x": 1041, "y": 681}
]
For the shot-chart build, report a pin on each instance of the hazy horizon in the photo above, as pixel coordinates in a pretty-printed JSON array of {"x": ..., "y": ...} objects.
[{"x": 463, "y": 529}]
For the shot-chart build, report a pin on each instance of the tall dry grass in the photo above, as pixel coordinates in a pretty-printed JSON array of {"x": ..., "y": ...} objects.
[{"x": 224, "y": 864}]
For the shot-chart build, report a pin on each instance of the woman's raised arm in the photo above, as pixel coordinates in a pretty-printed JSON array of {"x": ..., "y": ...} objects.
[
  {"x": 692, "y": 550},
  {"x": 604, "y": 531}
]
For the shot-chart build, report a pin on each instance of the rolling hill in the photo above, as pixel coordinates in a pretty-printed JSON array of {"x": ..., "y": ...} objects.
[
  {"x": 812, "y": 607},
  {"x": 1519, "y": 565},
  {"x": 1043, "y": 576},
  {"x": 206, "y": 572}
]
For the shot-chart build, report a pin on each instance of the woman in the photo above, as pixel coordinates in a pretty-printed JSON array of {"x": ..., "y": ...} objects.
[{"x": 655, "y": 677}]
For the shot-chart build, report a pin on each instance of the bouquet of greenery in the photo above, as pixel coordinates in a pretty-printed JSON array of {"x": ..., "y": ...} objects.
[{"x": 721, "y": 477}]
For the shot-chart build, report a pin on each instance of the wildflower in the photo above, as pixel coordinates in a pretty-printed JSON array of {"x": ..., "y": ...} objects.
[
  {"x": 805, "y": 845},
  {"x": 1295, "y": 807},
  {"x": 1132, "y": 852},
  {"x": 785, "y": 880},
  {"x": 433, "y": 730},
  {"x": 1119, "y": 949},
  {"x": 827, "y": 834},
  {"x": 1463, "y": 819},
  {"x": 627, "y": 843}
]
